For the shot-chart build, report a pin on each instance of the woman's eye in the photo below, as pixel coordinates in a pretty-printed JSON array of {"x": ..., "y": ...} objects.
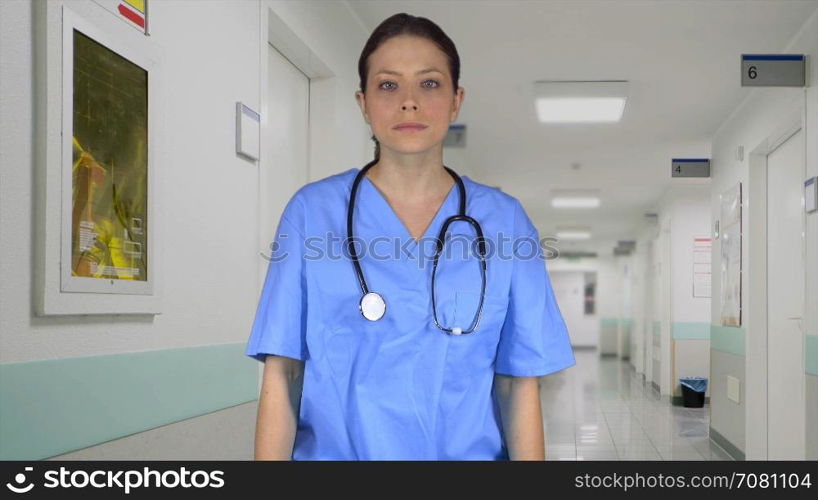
[{"x": 384, "y": 85}]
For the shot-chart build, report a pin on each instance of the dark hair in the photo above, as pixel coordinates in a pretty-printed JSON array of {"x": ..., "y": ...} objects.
[{"x": 407, "y": 24}]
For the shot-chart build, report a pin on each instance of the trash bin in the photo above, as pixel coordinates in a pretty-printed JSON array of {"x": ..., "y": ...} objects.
[{"x": 693, "y": 389}]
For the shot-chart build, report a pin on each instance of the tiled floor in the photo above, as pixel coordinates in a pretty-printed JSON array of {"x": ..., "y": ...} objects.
[{"x": 599, "y": 410}]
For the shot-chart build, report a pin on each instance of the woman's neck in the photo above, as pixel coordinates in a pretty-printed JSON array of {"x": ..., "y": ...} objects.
[{"x": 411, "y": 177}]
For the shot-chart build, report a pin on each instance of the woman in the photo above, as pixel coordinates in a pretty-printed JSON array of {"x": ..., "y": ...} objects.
[{"x": 402, "y": 376}]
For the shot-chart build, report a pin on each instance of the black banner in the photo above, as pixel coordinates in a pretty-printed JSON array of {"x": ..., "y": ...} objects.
[{"x": 215, "y": 479}]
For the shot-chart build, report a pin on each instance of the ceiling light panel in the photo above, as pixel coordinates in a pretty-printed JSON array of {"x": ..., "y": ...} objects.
[
  {"x": 573, "y": 233},
  {"x": 580, "y": 101},
  {"x": 574, "y": 202}
]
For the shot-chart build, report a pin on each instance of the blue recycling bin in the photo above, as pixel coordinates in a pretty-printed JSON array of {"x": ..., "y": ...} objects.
[{"x": 693, "y": 389}]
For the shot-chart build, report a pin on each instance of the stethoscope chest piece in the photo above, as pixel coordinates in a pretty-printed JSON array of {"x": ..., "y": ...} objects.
[{"x": 372, "y": 306}]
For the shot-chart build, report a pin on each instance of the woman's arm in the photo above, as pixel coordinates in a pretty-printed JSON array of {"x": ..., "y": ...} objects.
[
  {"x": 278, "y": 407},
  {"x": 521, "y": 415}
]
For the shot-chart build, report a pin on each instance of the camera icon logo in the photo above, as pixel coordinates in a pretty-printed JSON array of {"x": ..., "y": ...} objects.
[{"x": 20, "y": 478}]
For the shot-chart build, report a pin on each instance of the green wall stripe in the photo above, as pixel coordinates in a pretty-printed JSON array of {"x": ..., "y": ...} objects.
[
  {"x": 626, "y": 323},
  {"x": 56, "y": 406},
  {"x": 690, "y": 331},
  {"x": 811, "y": 354},
  {"x": 609, "y": 322},
  {"x": 729, "y": 339}
]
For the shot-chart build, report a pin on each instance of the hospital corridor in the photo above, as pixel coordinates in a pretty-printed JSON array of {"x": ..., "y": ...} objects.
[
  {"x": 603, "y": 411},
  {"x": 364, "y": 229}
]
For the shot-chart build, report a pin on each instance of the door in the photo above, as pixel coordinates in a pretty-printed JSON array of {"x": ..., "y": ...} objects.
[
  {"x": 284, "y": 142},
  {"x": 785, "y": 301},
  {"x": 569, "y": 290}
]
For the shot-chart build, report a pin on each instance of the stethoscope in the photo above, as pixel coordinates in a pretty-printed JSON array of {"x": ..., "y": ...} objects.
[{"x": 372, "y": 304}]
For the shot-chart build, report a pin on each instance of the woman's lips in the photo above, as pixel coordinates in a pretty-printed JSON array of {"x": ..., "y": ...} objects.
[{"x": 410, "y": 127}]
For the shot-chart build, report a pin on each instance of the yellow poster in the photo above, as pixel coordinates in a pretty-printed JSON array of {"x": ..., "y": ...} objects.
[{"x": 109, "y": 164}]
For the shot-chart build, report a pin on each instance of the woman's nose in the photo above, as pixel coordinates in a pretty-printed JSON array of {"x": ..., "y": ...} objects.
[{"x": 409, "y": 101}]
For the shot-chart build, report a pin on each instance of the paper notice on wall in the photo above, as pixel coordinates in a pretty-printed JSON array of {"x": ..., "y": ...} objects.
[
  {"x": 730, "y": 267},
  {"x": 702, "y": 249}
]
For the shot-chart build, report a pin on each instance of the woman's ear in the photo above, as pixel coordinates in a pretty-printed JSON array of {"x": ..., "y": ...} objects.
[
  {"x": 457, "y": 102},
  {"x": 361, "y": 98}
]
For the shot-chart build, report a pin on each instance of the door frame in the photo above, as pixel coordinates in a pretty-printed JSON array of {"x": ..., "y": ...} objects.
[
  {"x": 277, "y": 34},
  {"x": 756, "y": 408}
]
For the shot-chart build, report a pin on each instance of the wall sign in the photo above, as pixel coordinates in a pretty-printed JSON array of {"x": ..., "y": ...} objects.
[
  {"x": 773, "y": 70},
  {"x": 690, "y": 167}
]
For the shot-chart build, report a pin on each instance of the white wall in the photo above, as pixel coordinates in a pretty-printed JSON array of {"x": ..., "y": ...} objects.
[
  {"x": 204, "y": 79},
  {"x": 690, "y": 212},
  {"x": 689, "y": 209},
  {"x": 211, "y": 62},
  {"x": 662, "y": 290},
  {"x": 748, "y": 126}
]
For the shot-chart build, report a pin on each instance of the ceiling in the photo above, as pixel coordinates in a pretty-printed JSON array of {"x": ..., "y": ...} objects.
[{"x": 680, "y": 57}]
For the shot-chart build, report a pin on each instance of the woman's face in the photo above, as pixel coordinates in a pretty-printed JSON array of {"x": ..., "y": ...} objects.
[{"x": 400, "y": 88}]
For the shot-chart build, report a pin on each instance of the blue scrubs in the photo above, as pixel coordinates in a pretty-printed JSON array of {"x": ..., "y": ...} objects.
[{"x": 400, "y": 388}]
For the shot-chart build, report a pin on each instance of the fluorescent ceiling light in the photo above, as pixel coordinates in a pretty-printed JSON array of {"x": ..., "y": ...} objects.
[
  {"x": 580, "y": 102},
  {"x": 574, "y": 202},
  {"x": 575, "y": 198},
  {"x": 580, "y": 109},
  {"x": 573, "y": 234}
]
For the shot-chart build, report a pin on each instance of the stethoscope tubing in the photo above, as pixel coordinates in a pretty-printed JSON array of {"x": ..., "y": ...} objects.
[{"x": 461, "y": 216}]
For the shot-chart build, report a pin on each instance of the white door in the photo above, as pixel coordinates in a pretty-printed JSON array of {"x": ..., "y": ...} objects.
[
  {"x": 569, "y": 290},
  {"x": 284, "y": 142},
  {"x": 786, "y": 432}
]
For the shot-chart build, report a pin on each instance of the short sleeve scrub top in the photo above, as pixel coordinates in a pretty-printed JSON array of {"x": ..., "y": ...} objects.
[{"x": 400, "y": 388}]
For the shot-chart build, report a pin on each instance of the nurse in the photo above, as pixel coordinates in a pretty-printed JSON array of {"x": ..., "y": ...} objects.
[{"x": 406, "y": 385}]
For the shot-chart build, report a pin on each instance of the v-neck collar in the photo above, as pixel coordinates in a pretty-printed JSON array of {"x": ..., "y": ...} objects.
[{"x": 434, "y": 225}]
